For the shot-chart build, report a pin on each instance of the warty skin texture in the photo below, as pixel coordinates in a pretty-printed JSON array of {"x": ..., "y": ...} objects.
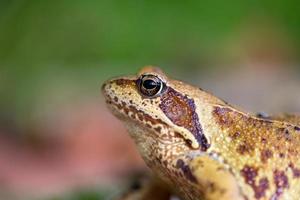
[{"x": 204, "y": 148}]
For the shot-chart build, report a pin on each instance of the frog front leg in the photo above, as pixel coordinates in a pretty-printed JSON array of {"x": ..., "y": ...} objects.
[{"x": 208, "y": 179}]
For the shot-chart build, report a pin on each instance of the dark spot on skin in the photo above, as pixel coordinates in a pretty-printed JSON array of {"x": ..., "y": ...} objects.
[
  {"x": 296, "y": 171},
  {"x": 186, "y": 170},
  {"x": 130, "y": 101},
  {"x": 281, "y": 155},
  {"x": 297, "y": 128},
  {"x": 287, "y": 135},
  {"x": 283, "y": 133},
  {"x": 182, "y": 111},
  {"x": 261, "y": 188},
  {"x": 126, "y": 110},
  {"x": 265, "y": 155},
  {"x": 281, "y": 182},
  {"x": 165, "y": 163},
  {"x": 157, "y": 159},
  {"x": 140, "y": 116},
  {"x": 189, "y": 142},
  {"x": 250, "y": 173},
  {"x": 158, "y": 129},
  {"x": 160, "y": 156},
  {"x": 211, "y": 187},
  {"x": 220, "y": 169},
  {"x": 116, "y": 99},
  {"x": 264, "y": 140},
  {"x": 177, "y": 134},
  {"x": 236, "y": 135},
  {"x": 244, "y": 149}
]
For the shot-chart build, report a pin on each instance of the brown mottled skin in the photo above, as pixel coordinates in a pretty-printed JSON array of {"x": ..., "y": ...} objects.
[{"x": 204, "y": 148}]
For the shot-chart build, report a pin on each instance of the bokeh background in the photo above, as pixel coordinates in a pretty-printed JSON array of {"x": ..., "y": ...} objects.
[{"x": 58, "y": 141}]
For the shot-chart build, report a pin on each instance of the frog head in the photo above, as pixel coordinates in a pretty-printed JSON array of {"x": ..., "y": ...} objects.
[{"x": 159, "y": 109}]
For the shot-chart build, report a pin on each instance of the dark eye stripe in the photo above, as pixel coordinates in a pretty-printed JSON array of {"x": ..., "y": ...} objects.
[{"x": 182, "y": 111}]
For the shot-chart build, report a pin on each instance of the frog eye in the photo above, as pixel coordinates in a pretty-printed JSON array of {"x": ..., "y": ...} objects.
[{"x": 150, "y": 85}]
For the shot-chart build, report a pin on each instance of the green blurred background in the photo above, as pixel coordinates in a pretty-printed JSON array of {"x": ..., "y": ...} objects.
[{"x": 54, "y": 55}]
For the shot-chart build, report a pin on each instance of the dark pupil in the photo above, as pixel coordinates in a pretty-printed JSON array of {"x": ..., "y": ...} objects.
[{"x": 150, "y": 84}]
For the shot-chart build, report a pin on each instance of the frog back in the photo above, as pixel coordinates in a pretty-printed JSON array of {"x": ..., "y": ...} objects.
[{"x": 263, "y": 154}]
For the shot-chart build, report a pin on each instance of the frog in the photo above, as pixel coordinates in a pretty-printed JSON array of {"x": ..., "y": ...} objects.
[{"x": 202, "y": 147}]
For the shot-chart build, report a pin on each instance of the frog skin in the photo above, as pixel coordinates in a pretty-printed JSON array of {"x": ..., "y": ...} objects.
[{"x": 201, "y": 146}]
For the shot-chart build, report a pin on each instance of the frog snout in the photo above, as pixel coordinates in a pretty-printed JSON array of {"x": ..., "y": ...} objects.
[
  {"x": 103, "y": 87},
  {"x": 106, "y": 89}
]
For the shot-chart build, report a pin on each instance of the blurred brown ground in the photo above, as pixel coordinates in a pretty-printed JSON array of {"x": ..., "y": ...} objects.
[{"x": 89, "y": 147}]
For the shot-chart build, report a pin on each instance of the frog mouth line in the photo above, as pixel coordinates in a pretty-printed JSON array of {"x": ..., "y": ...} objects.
[{"x": 130, "y": 111}]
